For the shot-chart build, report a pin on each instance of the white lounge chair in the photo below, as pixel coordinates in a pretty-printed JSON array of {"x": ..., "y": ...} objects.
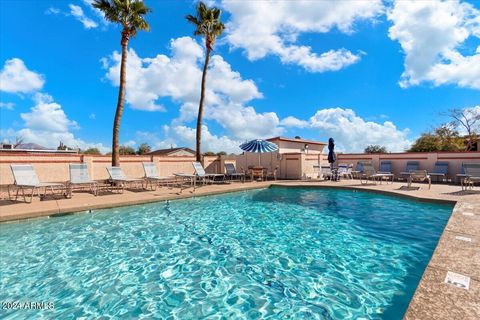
[
  {"x": 120, "y": 179},
  {"x": 326, "y": 172},
  {"x": 370, "y": 173},
  {"x": 152, "y": 177},
  {"x": 385, "y": 166},
  {"x": 79, "y": 177},
  {"x": 411, "y": 166},
  {"x": 25, "y": 177},
  {"x": 440, "y": 171},
  {"x": 472, "y": 172},
  {"x": 345, "y": 171},
  {"x": 231, "y": 172},
  {"x": 200, "y": 172},
  {"x": 419, "y": 176},
  {"x": 186, "y": 178}
]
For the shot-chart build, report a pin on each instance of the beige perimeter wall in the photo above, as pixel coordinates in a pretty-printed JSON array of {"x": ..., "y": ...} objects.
[
  {"x": 426, "y": 160},
  {"x": 54, "y": 167},
  {"x": 297, "y": 165}
]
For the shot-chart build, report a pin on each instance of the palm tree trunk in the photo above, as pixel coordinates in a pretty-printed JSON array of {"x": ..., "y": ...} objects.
[
  {"x": 200, "y": 107},
  {"x": 120, "y": 101}
]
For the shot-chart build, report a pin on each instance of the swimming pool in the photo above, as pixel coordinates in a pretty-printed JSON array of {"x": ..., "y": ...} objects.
[{"x": 271, "y": 253}]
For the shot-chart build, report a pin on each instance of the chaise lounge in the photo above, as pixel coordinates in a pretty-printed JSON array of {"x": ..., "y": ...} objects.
[
  {"x": 206, "y": 177},
  {"x": 472, "y": 175},
  {"x": 118, "y": 177},
  {"x": 411, "y": 166},
  {"x": 152, "y": 177},
  {"x": 440, "y": 171},
  {"x": 25, "y": 177},
  {"x": 231, "y": 172},
  {"x": 79, "y": 177},
  {"x": 370, "y": 173},
  {"x": 419, "y": 176}
]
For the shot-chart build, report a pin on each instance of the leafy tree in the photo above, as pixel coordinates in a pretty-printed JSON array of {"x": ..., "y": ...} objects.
[
  {"x": 443, "y": 138},
  {"x": 469, "y": 120},
  {"x": 427, "y": 142},
  {"x": 375, "y": 148},
  {"x": 221, "y": 153},
  {"x": 62, "y": 147},
  {"x": 130, "y": 15},
  {"x": 143, "y": 148},
  {"x": 448, "y": 139},
  {"x": 126, "y": 150},
  {"x": 207, "y": 23},
  {"x": 209, "y": 154},
  {"x": 92, "y": 151}
]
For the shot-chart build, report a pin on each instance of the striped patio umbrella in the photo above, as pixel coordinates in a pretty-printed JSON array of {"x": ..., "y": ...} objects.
[{"x": 259, "y": 146}]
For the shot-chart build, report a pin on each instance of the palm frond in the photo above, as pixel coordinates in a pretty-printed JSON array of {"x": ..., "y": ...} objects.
[
  {"x": 207, "y": 22},
  {"x": 129, "y": 13}
]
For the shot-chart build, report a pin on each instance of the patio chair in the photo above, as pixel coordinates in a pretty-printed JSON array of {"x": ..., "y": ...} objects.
[
  {"x": 419, "y": 176},
  {"x": 118, "y": 177},
  {"x": 411, "y": 166},
  {"x": 370, "y": 173},
  {"x": 152, "y": 177},
  {"x": 440, "y": 170},
  {"x": 345, "y": 170},
  {"x": 270, "y": 174},
  {"x": 200, "y": 172},
  {"x": 358, "y": 170},
  {"x": 231, "y": 172},
  {"x": 472, "y": 172},
  {"x": 326, "y": 172},
  {"x": 461, "y": 176},
  {"x": 25, "y": 177},
  {"x": 188, "y": 178},
  {"x": 79, "y": 177},
  {"x": 385, "y": 167}
]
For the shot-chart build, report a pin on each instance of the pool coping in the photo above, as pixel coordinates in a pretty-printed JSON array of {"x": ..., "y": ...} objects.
[
  {"x": 433, "y": 298},
  {"x": 59, "y": 211}
]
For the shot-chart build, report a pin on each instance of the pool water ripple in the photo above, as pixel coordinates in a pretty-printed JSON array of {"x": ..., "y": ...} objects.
[{"x": 275, "y": 253}]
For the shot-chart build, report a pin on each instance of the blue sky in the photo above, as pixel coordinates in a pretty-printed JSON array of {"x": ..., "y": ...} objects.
[{"x": 362, "y": 72}]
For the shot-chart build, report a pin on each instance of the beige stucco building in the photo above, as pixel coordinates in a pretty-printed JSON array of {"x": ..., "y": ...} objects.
[{"x": 297, "y": 145}]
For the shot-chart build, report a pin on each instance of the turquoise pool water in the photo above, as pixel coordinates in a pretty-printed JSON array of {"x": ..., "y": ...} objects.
[{"x": 277, "y": 253}]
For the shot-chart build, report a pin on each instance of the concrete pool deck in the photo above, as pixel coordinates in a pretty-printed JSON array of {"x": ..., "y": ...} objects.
[{"x": 458, "y": 249}]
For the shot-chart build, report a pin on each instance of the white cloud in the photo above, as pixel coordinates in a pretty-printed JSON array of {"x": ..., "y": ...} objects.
[
  {"x": 178, "y": 78},
  {"x": 16, "y": 78},
  {"x": 78, "y": 13},
  {"x": 47, "y": 124},
  {"x": 99, "y": 13},
  {"x": 92, "y": 116},
  {"x": 294, "y": 122},
  {"x": 7, "y": 105},
  {"x": 184, "y": 136},
  {"x": 210, "y": 142},
  {"x": 47, "y": 115},
  {"x": 129, "y": 143},
  {"x": 245, "y": 123},
  {"x": 272, "y": 27},
  {"x": 52, "y": 10},
  {"x": 351, "y": 132},
  {"x": 431, "y": 34}
]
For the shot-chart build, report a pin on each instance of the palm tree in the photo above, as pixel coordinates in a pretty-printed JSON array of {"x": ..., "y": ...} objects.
[
  {"x": 208, "y": 24},
  {"x": 130, "y": 15}
]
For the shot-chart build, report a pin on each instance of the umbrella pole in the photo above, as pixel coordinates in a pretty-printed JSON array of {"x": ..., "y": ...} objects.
[{"x": 259, "y": 161}]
